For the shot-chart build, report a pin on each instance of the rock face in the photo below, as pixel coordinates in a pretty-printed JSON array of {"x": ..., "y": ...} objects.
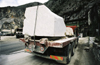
[
  {"x": 71, "y": 9},
  {"x": 84, "y": 12},
  {"x": 81, "y": 11},
  {"x": 11, "y": 14},
  {"x": 14, "y": 14}
]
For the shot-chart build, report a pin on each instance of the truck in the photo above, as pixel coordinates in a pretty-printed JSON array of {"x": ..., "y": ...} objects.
[
  {"x": 19, "y": 33},
  {"x": 7, "y": 29},
  {"x": 46, "y": 35}
]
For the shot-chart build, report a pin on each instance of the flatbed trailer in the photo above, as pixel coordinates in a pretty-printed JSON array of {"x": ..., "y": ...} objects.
[{"x": 60, "y": 50}]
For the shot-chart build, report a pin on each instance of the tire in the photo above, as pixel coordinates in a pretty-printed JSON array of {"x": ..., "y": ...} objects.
[
  {"x": 69, "y": 53},
  {"x": 17, "y": 36},
  {"x": 22, "y": 36},
  {"x": 73, "y": 48},
  {"x": 76, "y": 43}
]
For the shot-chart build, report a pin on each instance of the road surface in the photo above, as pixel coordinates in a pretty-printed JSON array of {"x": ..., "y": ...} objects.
[
  {"x": 10, "y": 44},
  {"x": 12, "y": 53}
]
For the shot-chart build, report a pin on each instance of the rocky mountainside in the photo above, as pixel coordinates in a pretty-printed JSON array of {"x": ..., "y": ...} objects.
[
  {"x": 14, "y": 14},
  {"x": 71, "y": 9},
  {"x": 81, "y": 11}
]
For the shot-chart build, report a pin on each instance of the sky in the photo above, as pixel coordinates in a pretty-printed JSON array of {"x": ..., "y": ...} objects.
[{"x": 4, "y": 3}]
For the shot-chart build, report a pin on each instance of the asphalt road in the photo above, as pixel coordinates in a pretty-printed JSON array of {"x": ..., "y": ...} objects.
[
  {"x": 10, "y": 44},
  {"x": 12, "y": 53}
]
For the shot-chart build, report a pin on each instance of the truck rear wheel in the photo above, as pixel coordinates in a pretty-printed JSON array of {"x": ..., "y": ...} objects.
[
  {"x": 69, "y": 53},
  {"x": 73, "y": 48},
  {"x": 76, "y": 42}
]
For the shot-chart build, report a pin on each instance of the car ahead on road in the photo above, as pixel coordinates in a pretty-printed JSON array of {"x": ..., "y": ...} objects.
[
  {"x": 19, "y": 33},
  {"x": 7, "y": 29},
  {"x": 7, "y": 32}
]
